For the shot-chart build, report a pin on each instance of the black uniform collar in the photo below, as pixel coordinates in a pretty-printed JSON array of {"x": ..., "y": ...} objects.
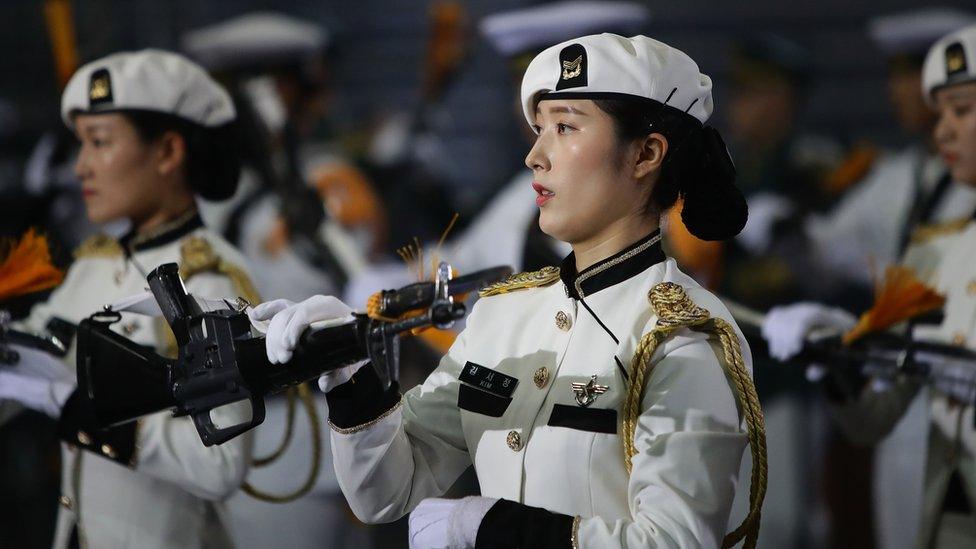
[
  {"x": 163, "y": 234},
  {"x": 615, "y": 269}
]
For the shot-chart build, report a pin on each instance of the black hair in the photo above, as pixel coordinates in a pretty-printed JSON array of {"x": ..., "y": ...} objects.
[
  {"x": 696, "y": 167},
  {"x": 213, "y": 155}
]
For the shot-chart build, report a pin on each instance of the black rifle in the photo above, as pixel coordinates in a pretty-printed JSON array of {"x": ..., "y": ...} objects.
[
  {"x": 9, "y": 336},
  {"x": 221, "y": 362},
  {"x": 886, "y": 357}
]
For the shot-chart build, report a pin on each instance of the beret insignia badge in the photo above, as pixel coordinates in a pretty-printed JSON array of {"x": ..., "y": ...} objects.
[
  {"x": 572, "y": 67},
  {"x": 955, "y": 59},
  {"x": 100, "y": 87}
]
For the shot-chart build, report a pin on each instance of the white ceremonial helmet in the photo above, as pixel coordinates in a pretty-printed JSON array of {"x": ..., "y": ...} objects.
[
  {"x": 518, "y": 31},
  {"x": 951, "y": 60},
  {"x": 147, "y": 80},
  {"x": 604, "y": 66}
]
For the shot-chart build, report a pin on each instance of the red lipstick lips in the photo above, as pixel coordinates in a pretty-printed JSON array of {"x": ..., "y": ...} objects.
[{"x": 543, "y": 194}]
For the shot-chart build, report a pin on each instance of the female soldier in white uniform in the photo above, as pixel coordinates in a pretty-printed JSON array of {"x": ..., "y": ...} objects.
[
  {"x": 604, "y": 403},
  {"x": 155, "y": 130},
  {"x": 943, "y": 256}
]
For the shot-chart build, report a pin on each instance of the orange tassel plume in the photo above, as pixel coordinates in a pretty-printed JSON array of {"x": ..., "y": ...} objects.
[
  {"x": 413, "y": 255},
  {"x": 900, "y": 297},
  {"x": 26, "y": 266}
]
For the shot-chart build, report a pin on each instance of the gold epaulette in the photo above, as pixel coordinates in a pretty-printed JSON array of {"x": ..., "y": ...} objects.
[
  {"x": 675, "y": 310},
  {"x": 521, "y": 281},
  {"x": 197, "y": 256},
  {"x": 99, "y": 245},
  {"x": 925, "y": 233}
]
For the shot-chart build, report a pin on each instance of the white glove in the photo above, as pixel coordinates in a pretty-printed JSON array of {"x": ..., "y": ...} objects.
[
  {"x": 289, "y": 320},
  {"x": 765, "y": 210},
  {"x": 785, "y": 328},
  {"x": 38, "y": 380},
  {"x": 448, "y": 523}
]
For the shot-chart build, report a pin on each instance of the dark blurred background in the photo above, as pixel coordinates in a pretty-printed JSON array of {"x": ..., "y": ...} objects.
[{"x": 381, "y": 51}]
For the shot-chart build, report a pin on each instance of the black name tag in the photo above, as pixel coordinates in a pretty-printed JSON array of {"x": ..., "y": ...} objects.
[{"x": 488, "y": 380}]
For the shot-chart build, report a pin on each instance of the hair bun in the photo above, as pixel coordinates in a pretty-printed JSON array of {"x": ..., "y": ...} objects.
[
  {"x": 218, "y": 164},
  {"x": 714, "y": 208}
]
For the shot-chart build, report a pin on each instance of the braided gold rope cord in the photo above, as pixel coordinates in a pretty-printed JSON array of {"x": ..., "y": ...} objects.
[
  {"x": 313, "y": 474},
  {"x": 749, "y": 400},
  {"x": 675, "y": 310}
]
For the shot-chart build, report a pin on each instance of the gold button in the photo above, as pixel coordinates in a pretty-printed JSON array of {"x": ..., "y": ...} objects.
[
  {"x": 83, "y": 438},
  {"x": 109, "y": 451},
  {"x": 514, "y": 441},
  {"x": 540, "y": 377},
  {"x": 562, "y": 321},
  {"x": 959, "y": 338},
  {"x": 65, "y": 501},
  {"x": 130, "y": 327}
]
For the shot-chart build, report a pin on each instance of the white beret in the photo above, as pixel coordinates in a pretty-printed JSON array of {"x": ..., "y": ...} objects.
[
  {"x": 607, "y": 65},
  {"x": 951, "y": 60},
  {"x": 914, "y": 31},
  {"x": 517, "y": 31},
  {"x": 147, "y": 80},
  {"x": 255, "y": 39}
]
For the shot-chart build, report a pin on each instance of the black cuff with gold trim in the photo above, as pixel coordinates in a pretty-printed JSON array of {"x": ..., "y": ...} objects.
[
  {"x": 361, "y": 399},
  {"x": 509, "y": 524},
  {"x": 79, "y": 427}
]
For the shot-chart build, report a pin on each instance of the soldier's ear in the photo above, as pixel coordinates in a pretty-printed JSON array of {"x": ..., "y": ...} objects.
[
  {"x": 650, "y": 155},
  {"x": 170, "y": 153}
]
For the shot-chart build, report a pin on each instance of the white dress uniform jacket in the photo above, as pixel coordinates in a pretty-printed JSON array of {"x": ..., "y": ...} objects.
[
  {"x": 943, "y": 257},
  {"x": 151, "y": 483},
  {"x": 503, "y": 399}
]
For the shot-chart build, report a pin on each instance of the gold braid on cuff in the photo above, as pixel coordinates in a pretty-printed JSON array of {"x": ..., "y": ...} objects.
[
  {"x": 676, "y": 310},
  {"x": 368, "y": 424},
  {"x": 574, "y": 539}
]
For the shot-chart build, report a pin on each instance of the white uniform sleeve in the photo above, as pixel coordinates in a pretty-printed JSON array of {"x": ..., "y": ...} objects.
[
  {"x": 36, "y": 322},
  {"x": 690, "y": 445},
  {"x": 861, "y": 230},
  {"x": 387, "y": 464}
]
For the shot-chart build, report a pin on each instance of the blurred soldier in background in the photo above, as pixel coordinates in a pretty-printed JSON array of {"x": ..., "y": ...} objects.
[
  {"x": 276, "y": 67},
  {"x": 406, "y": 155},
  {"x": 155, "y": 130},
  {"x": 782, "y": 171},
  {"x": 306, "y": 219},
  {"x": 870, "y": 226},
  {"x": 939, "y": 510},
  {"x": 868, "y": 230}
]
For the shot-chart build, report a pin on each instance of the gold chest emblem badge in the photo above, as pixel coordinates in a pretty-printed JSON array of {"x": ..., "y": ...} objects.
[
  {"x": 572, "y": 69},
  {"x": 586, "y": 393}
]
